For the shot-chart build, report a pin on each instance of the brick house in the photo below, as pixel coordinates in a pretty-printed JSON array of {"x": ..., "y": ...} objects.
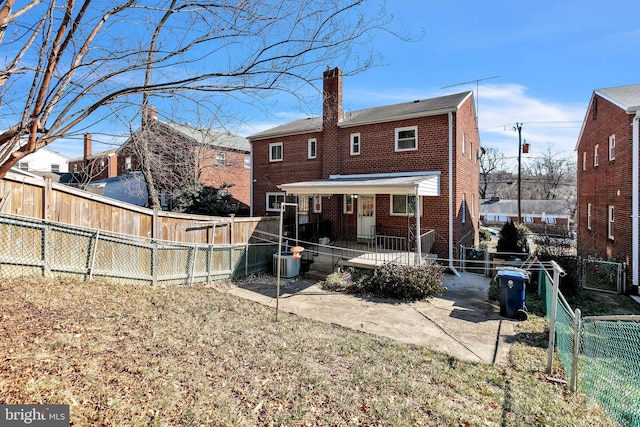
[
  {"x": 608, "y": 153},
  {"x": 361, "y": 172},
  {"x": 93, "y": 166},
  {"x": 540, "y": 216}
]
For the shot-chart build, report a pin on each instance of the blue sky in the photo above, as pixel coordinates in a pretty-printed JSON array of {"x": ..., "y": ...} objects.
[{"x": 535, "y": 62}]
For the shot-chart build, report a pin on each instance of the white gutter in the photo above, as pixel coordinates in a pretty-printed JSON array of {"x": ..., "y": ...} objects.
[
  {"x": 634, "y": 199},
  {"x": 251, "y": 184},
  {"x": 451, "y": 207}
]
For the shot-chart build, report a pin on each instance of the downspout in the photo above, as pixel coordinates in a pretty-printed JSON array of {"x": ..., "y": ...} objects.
[
  {"x": 451, "y": 200},
  {"x": 251, "y": 203},
  {"x": 418, "y": 212},
  {"x": 634, "y": 199}
]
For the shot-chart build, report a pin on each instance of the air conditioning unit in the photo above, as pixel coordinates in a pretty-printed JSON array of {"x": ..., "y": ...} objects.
[{"x": 289, "y": 266}]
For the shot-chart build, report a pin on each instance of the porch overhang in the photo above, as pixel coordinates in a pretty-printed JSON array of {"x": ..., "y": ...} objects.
[{"x": 417, "y": 183}]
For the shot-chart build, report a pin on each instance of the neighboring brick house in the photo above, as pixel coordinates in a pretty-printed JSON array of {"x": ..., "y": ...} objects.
[
  {"x": 93, "y": 166},
  {"x": 608, "y": 150},
  {"x": 362, "y": 171}
]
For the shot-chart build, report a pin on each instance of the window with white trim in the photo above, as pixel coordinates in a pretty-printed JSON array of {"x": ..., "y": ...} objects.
[
  {"x": 355, "y": 144},
  {"x": 311, "y": 148},
  {"x": 23, "y": 166},
  {"x": 317, "y": 204},
  {"x": 221, "y": 159},
  {"x": 407, "y": 138},
  {"x": 612, "y": 147},
  {"x": 403, "y": 204},
  {"x": 595, "y": 155},
  {"x": 610, "y": 222},
  {"x": 247, "y": 162},
  {"x": 127, "y": 163},
  {"x": 463, "y": 208},
  {"x": 584, "y": 160},
  {"x": 464, "y": 141},
  {"x": 303, "y": 204},
  {"x": 527, "y": 219},
  {"x": 348, "y": 204},
  {"x": 274, "y": 200},
  {"x": 55, "y": 168},
  {"x": 275, "y": 152},
  {"x": 589, "y": 216}
]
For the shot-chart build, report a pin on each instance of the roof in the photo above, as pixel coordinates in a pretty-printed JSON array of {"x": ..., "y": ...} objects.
[
  {"x": 211, "y": 137},
  {"x": 107, "y": 153},
  {"x": 626, "y": 97},
  {"x": 420, "y": 183},
  {"x": 407, "y": 110},
  {"x": 509, "y": 207}
]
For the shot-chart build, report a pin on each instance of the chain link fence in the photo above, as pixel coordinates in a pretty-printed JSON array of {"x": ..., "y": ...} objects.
[
  {"x": 600, "y": 354},
  {"x": 42, "y": 248},
  {"x": 603, "y": 276}
]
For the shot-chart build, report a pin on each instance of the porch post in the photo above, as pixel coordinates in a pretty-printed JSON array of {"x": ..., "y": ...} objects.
[{"x": 418, "y": 209}]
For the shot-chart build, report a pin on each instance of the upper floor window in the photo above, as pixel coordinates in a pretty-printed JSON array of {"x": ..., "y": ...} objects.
[
  {"x": 247, "y": 162},
  {"x": 103, "y": 164},
  {"x": 463, "y": 208},
  {"x": 589, "y": 216},
  {"x": 55, "y": 168},
  {"x": 127, "y": 163},
  {"x": 407, "y": 138},
  {"x": 23, "y": 166},
  {"x": 464, "y": 141},
  {"x": 612, "y": 147},
  {"x": 75, "y": 168},
  {"x": 274, "y": 200},
  {"x": 275, "y": 152},
  {"x": 584, "y": 160},
  {"x": 221, "y": 159},
  {"x": 355, "y": 144},
  {"x": 595, "y": 155},
  {"x": 311, "y": 148}
]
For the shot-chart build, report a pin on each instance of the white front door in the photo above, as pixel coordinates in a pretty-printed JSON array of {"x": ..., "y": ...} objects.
[{"x": 366, "y": 217}]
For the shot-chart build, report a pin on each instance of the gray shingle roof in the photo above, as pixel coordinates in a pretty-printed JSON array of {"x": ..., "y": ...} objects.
[
  {"x": 529, "y": 207},
  {"x": 627, "y": 97},
  {"x": 419, "y": 108},
  {"x": 210, "y": 137}
]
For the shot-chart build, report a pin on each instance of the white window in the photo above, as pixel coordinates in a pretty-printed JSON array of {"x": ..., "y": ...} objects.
[
  {"x": 464, "y": 141},
  {"x": 23, "y": 166},
  {"x": 103, "y": 164},
  {"x": 403, "y": 204},
  {"x": 317, "y": 204},
  {"x": 127, "y": 163},
  {"x": 595, "y": 155},
  {"x": 584, "y": 160},
  {"x": 55, "y": 168},
  {"x": 550, "y": 220},
  {"x": 611, "y": 222},
  {"x": 75, "y": 168},
  {"x": 470, "y": 150},
  {"x": 311, "y": 145},
  {"x": 589, "y": 216},
  {"x": 348, "y": 204},
  {"x": 221, "y": 159},
  {"x": 612, "y": 147},
  {"x": 303, "y": 205},
  {"x": 528, "y": 219},
  {"x": 463, "y": 208},
  {"x": 355, "y": 144},
  {"x": 274, "y": 200},
  {"x": 247, "y": 162},
  {"x": 407, "y": 138},
  {"x": 275, "y": 152}
]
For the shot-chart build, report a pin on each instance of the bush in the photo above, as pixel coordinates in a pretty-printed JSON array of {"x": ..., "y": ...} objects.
[
  {"x": 402, "y": 282},
  {"x": 513, "y": 238},
  {"x": 484, "y": 235}
]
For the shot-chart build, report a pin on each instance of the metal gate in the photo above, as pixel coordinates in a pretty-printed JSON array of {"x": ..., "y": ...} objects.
[{"x": 604, "y": 276}]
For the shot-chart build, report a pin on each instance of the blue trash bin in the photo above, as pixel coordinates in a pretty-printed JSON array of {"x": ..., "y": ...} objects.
[{"x": 512, "y": 283}]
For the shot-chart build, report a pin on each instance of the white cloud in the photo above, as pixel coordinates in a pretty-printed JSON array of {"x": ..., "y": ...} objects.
[{"x": 543, "y": 122}]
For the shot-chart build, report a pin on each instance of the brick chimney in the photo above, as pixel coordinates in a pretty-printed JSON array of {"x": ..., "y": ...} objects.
[
  {"x": 331, "y": 116},
  {"x": 149, "y": 114},
  {"x": 87, "y": 147}
]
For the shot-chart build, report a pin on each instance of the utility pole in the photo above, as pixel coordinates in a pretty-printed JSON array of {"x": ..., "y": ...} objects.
[{"x": 518, "y": 127}]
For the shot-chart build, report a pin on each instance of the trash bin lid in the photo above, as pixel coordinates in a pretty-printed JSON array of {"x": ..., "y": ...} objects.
[{"x": 513, "y": 273}]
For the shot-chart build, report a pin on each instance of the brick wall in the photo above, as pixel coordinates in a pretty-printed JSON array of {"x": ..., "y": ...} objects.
[{"x": 608, "y": 184}]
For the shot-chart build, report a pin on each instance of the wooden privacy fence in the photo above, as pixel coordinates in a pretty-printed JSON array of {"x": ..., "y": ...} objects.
[{"x": 41, "y": 198}]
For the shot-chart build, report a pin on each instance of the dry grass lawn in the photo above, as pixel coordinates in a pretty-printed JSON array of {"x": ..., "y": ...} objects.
[{"x": 191, "y": 356}]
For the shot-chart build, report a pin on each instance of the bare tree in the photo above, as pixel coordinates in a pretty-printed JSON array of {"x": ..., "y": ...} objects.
[
  {"x": 69, "y": 65},
  {"x": 491, "y": 162},
  {"x": 550, "y": 176}
]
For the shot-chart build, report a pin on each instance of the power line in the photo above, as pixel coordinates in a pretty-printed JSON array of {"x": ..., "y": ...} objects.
[{"x": 477, "y": 91}]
